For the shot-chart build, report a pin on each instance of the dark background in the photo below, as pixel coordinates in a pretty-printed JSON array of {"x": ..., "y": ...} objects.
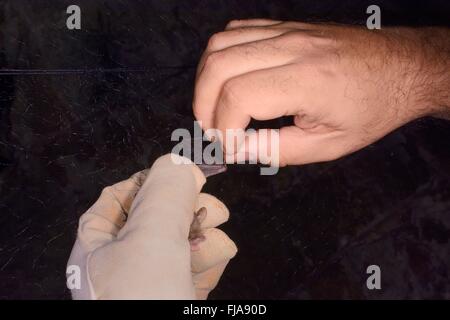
[{"x": 308, "y": 232}]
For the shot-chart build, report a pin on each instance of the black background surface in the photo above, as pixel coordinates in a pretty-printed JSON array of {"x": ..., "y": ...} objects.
[{"x": 308, "y": 232}]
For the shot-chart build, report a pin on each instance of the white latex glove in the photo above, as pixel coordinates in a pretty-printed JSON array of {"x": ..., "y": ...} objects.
[{"x": 133, "y": 242}]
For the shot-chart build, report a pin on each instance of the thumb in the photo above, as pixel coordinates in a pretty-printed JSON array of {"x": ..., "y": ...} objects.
[{"x": 287, "y": 146}]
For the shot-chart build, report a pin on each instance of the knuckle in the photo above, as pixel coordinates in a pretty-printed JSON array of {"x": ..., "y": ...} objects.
[
  {"x": 299, "y": 42},
  {"x": 215, "y": 41},
  {"x": 229, "y": 97},
  {"x": 232, "y": 23},
  {"x": 306, "y": 41},
  {"x": 294, "y": 36},
  {"x": 213, "y": 60}
]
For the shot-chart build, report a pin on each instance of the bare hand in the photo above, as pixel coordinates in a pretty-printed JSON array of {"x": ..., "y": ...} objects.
[{"x": 345, "y": 86}]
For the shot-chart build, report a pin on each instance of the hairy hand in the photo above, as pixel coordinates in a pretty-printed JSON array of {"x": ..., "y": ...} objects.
[{"x": 345, "y": 86}]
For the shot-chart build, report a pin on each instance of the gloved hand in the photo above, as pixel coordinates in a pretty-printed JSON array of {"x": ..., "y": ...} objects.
[{"x": 133, "y": 242}]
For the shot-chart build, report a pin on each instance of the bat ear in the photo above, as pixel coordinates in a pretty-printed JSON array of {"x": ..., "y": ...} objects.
[
  {"x": 217, "y": 211},
  {"x": 201, "y": 214}
]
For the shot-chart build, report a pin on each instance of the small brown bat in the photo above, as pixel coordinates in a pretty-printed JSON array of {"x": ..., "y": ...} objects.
[{"x": 195, "y": 233}]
